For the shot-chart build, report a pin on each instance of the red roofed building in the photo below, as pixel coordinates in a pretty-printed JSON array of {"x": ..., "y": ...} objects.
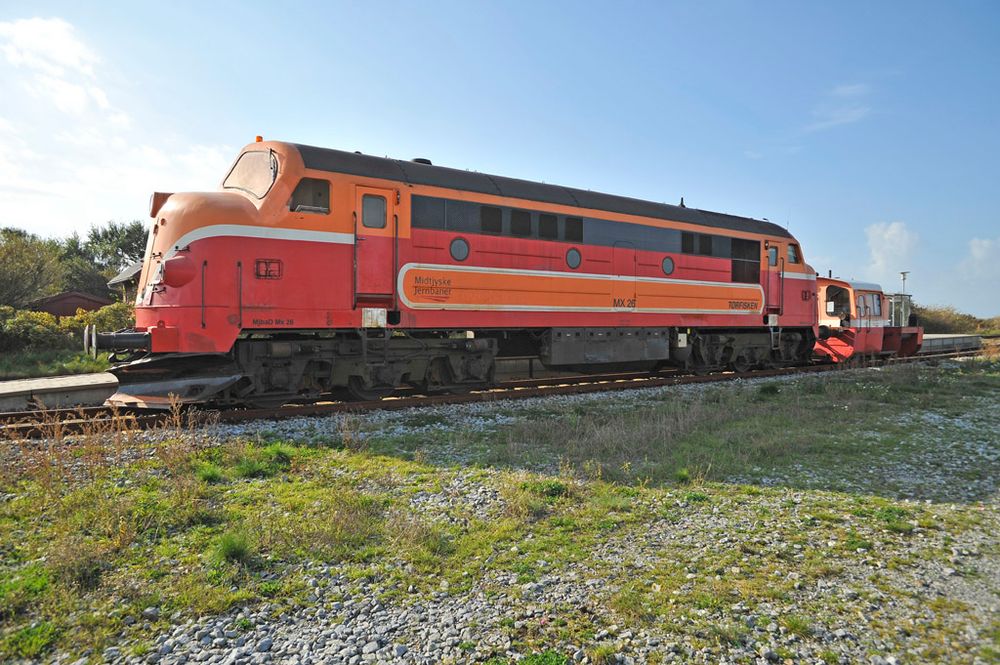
[{"x": 66, "y": 303}]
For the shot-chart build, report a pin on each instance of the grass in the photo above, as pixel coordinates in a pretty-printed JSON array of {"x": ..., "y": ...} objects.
[
  {"x": 209, "y": 472},
  {"x": 603, "y": 654},
  {"x": 19, "y": 591},
  {"x": 86, "y": 542},
  {"x": 797, "y": 625},
  {"x": 813, "y": 423},
  {"x": 32, "y": 364},
  {"x": 30, "y": 641},
  {"x": 233, "y": 547}
]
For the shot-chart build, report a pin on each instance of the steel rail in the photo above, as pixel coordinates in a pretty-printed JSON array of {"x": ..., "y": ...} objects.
[{"x": 67, "y": 422}]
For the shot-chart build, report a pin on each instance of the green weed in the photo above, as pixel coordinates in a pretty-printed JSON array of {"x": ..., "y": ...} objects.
[
  {"x": 209, "y": 473},
  {"x": 30, "y": 641},
  {"x": 234, "y": 547},
  {"x": 545, "y": 658}
]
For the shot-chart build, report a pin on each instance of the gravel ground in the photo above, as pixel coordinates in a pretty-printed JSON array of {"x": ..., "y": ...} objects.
[
  {"x": 870, "y": 610},
  {"x": 862, "y": 617}
]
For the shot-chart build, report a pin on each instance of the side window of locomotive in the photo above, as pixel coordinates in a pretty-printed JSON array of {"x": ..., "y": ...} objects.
[
  {"x": 861, "y": 306},
  {"x": 573, "y": 231},
  {"x": 793, "y": 253},
  {"x": 520, "y": 223},
  {"x": 772, "y": 256},
  {"x": 704, "y": 244},
  {"x": 462, "y": 216},
  {"x": 373, "y": 211},
  {"x": 490, "y": 219},
  {"x": 548, "y": 227},
  {"x": 311, "y": 195},
  {"x": 687, "y": 242},
  {"x": 426, "y": 212},
  {"x": 877, "y": 302},
  {"x": 746, "y": 260}
]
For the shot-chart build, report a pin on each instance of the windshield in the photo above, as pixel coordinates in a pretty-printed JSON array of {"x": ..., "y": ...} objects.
[{"x": 253, "y": 173}]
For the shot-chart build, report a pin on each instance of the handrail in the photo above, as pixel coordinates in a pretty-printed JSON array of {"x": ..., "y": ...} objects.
[{"x": 781, "y": 287}]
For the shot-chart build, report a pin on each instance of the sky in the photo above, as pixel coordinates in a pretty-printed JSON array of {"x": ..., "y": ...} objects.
[{"x": 870, "y": 130}]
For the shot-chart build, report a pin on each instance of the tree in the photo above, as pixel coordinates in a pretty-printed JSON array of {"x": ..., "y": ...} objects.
[
  {"x": 80, "y": 270},
  {"x": 116, "y": 245},
  {"x": 29, "y": 267}
]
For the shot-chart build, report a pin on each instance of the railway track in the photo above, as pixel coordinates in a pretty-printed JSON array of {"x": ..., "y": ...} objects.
[{"x": 58, "y": 423}]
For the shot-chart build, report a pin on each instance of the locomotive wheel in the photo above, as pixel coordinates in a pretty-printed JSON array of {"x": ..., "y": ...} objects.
[
  {"x": 357, "y": 390},
  {"x": 741, "y": 364}
]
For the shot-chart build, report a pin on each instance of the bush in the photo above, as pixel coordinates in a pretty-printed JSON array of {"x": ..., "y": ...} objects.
[
  {"x": 945, "y": 320},
  {"x": 951, "y": 321},
  {"x": 23, "y": 330},
  {"x": 110, "y": 318},
  {"x": 27, "y": 330}
]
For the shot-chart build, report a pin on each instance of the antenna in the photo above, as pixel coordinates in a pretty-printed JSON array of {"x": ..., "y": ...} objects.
[{"x": 903, "y": 274}]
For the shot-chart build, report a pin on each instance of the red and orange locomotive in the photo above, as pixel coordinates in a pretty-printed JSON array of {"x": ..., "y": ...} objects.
[{"x": 316, "y": 270}]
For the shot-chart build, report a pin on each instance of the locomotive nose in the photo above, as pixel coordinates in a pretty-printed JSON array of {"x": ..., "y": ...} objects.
[
  {"x": 186, "y": 218},
  {"x": 184, "y": 223}
]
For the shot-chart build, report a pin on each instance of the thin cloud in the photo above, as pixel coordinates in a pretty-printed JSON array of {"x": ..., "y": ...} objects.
[
  {"x": 842, "y": 105},
  {"x": 850, "y": 90},
  {"x": 829, "y": 118},
  {"x": 46, "y": 45},
  {"x": 767, "y": 151},
  {"x": 983, "y": 259},
  {"x": 891, "y": 248},
  {"x": 76, "y": 158}
]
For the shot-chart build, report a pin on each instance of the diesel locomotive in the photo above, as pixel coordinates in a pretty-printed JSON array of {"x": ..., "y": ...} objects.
[{"x": 314, "y": 271}]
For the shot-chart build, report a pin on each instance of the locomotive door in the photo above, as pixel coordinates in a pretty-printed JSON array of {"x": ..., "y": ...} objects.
[
  {"x": 772, "y": 277},
  {"x": 863, "y": 323},
  {"x": 375, "y": 243},
  {"x": 623, "y": 267}
]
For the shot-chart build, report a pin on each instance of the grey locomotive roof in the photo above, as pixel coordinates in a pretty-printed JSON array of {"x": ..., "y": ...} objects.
[{"x": 339, "y": 161}]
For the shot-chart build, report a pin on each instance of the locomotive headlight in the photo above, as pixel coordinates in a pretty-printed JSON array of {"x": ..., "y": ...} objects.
[{"x": 177, "y": 271}]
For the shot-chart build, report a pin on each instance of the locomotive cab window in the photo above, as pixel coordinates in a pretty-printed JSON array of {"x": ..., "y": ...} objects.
[
  {"x": 793, "y": 253},
  {"x": 838, "y": 302},
  {"x": 373, "y": 211},
  {"x": 254, "y": 172},
  {"x": 490, "y": 219},
  {"x": 311, "y": 195},
  {"x": 877, "y": 302},
  {"x": 772, "y": 256}
]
